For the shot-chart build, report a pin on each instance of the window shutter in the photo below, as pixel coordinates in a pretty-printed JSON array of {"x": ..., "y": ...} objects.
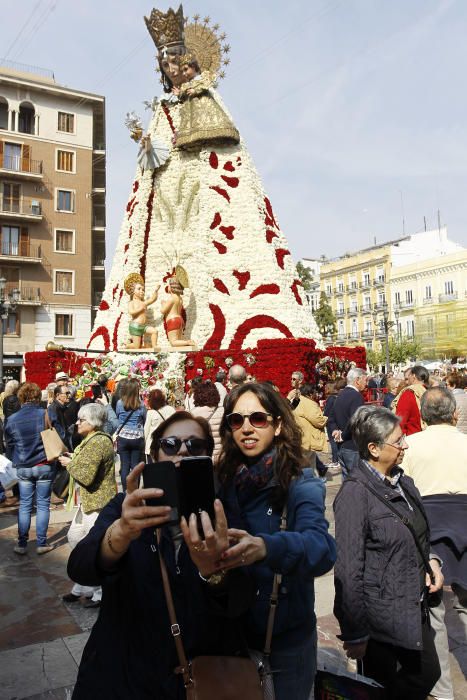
[
  {"x": 1, "y": 153},
  {"x": 26, "y": 159},
  {"x": 24, "y": 242}
]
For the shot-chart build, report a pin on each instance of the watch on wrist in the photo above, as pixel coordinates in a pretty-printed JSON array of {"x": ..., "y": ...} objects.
[{"x": 214, "y": 579}]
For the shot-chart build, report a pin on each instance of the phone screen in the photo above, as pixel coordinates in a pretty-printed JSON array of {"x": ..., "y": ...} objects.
[
  {"x": 196, "y": 487},
  {"x": 161, "y": 475}
]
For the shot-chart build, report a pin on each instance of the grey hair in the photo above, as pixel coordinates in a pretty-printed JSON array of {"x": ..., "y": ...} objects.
[
  {"x": 72, "y": 389},
  {"x": 237, "y": 374},
  {"x": 298, "y": 374},
  {"x": 354, "y": 374},
  {"x": 438, "y": 405},
  {"x": 94, "y": 413},
  {"x": 372, "y": 424},
  {"x": 11, "y": 387}
]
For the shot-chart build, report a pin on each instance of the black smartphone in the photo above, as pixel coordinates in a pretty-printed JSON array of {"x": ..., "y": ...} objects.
[
  {"x": 196, "y": 487},
  {"x": 161, "y": 475}
]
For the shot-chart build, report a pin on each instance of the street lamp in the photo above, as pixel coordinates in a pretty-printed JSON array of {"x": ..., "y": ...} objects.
[
  {"x": 386, "y": 325},
  {"x": 7, "y": 306}
]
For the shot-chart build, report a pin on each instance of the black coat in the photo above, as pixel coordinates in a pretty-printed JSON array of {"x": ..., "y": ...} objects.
[
  {"x": 377, "y": 572},
  {"x": 130, "y": 654},
  {"x": 346, "y": 403}
]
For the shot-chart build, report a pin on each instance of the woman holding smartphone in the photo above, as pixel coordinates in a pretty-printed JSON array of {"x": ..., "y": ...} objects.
[
  {"x": 131, "y": 653},
  {"x": 261, "y": 472}
]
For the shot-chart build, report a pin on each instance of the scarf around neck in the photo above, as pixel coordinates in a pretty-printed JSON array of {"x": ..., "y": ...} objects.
[{"x": 251, "y": 478}]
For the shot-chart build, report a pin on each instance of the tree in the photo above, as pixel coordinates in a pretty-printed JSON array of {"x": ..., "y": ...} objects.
[
  {"x": 374, "y": 358},
  {"x": 402, "y": 350},
  {"x": 305, "y": 275},
  {"x": 324, "y": 316}
]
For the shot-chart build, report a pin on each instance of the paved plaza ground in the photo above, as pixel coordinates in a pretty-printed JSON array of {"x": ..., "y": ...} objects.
[{"x": 41, "y": 638}]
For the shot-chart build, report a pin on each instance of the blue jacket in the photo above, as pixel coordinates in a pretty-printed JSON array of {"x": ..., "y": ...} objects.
[
  {"x": 136, "y": 420},
  {"x": 22, "y": 436},
  {"x": 303, "y": 551}
]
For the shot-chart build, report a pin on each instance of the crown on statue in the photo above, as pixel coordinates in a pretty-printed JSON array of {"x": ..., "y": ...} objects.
[
  {"x": 187, "y": 58},
  {"x": 166, "y": 28}
]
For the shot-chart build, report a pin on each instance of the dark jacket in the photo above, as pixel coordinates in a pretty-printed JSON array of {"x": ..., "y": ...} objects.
[
  {"x": 130, "y": 654},
  {"x": 22, "y": 436},
  {"x": 304, "y": 551},
  {"x": 11, "y": 405},
  {"x": 56, "y": 412},
  {"x": 345, "y": 405},
  {"x": 447, "y": 514},
  {"x": 377, "y": 573}
]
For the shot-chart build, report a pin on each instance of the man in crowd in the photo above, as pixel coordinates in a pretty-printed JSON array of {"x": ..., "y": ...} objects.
[
  {"x": 62, "y": 379},
  {"x": 57, "y": 412},
  {"x": 407, "y": 402},
  {"x": 437, "y": 462},
  {"x": 220, "y": 385},
  {"x": 455, "y": 383},
  {"x": 237, "y": 376},
  {"x": 345, "y": 405},
  {"x": 296, "y": 381}
]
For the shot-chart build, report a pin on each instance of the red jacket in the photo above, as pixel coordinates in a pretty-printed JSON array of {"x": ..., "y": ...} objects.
[{"x": 407, "y": 409}]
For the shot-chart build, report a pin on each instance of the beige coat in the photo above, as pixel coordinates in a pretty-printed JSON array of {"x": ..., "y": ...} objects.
[
  {"x": 214, "y": 418},
  {"x": 153, "y": 420},
  {"x": 310, "y": 418}
]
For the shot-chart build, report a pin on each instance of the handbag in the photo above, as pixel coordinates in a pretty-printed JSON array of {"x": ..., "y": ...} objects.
[
  {"x": 8, "y": 475},
  {"x": 117, "y": 433},
  {"x": 53, "y": 443},
  {"x": 61, "y": 483},
  {"x": 346, "y": 686},
  {"x": 77, "y": 530},
  {"x": 225, "y": 677}
]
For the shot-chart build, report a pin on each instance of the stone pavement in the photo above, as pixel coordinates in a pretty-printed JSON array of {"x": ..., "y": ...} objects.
[{"x": 41, "y": 638}]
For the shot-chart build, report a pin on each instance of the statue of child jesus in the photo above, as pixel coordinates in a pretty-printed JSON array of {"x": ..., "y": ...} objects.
[{"x": 138, "y": 328}]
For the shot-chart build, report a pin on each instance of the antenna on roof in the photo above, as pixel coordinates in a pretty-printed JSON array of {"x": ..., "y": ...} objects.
[
  {"x": 403, "y": 215},
  {"x": 424, "y": 222},
  {"x": 439, "y": 221}
]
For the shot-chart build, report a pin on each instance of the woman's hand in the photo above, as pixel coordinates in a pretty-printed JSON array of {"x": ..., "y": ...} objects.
[
  {"x": 64, "y": 460},
  {"x": 176, "y": 91},
  {"x": 206, "y": 554},
  {"x": 247, "y": 550},
  {"x": 136, "y": 515},
  {"x": 439, "y": 578},
  {"x": 355, "y": 651}
]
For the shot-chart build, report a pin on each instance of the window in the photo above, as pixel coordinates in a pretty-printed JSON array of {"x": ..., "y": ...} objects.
[
  {"x": 63, "y": 324},
  {"x": 11, "y": 324},
  {"x": 368, "y": 327},
  {"x": 10, "y": 240},
  {"x": 449, "y": 287},
  {"x": 63, "y": 282},
  {"x": 64, "y": 241},
  {"x": 429, "y": 326},
  {"x": 408, "y": 296},
  {"x": 26, "y": 119},
  {"x": 340, "y": 307},
  {"x": 353, "y": 305},
  {"x": 410, "y": 329},
  {"x": 66, "y": 122},
  {"x": 328, "y": 289},
  {"x": 366, "y": 278},
  {"x": 367, "y": 303},
  {"x": 428, "y": 291},
  {"x": 353, "y": 283},
  {"x": 397, "y": 298},
  {"x": 3, "y": 114},
  {"x": 380, "y": 274},
  {"x": 354, "y": 329},
  {"x": 11, "y": 198},
  {"x": 65, "y": 200},
  {"x": 12, "y": 156},
  {"x": 340, "y": 286},
  {"x": 381, "y": 298},
  {"x": 66, "y": 161}
]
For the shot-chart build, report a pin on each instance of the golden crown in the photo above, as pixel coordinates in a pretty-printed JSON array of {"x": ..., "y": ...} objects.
[{"x": 166, "y": 28}]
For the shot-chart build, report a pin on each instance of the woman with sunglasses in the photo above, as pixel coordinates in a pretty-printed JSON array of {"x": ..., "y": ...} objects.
[
  {"x": 131, "y": 652},
  {"x": 384, "y": 571},
  {"x": 261, "y": 471}
]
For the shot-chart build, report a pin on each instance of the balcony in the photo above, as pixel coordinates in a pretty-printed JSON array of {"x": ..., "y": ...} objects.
[
  {"x": 406, "y": 304},
  {"x": 353, "y": 311},
  {"x": 443, "y": 298},
  {"x": 353, "y": 337},
  {"x": 97, "y": 298},
  {"x": 353, "y": 287},
  {"x": 366, "y": 309},
  {"x": 20, "y": 252},
  {"x": 428, "y": 300},
  {"x": 366, "y": 284},
  {"x": 338, "y": 291},
  {"x": 367, "y": 335},
  {"x": 28, "y": 296},
  {"x": 379, "y": 281},
  {"x": 15, "y": 166},
  {"x": 98, "y": 222},
  {"x": 22, "y": 209},
  {"x": 98, "y": 263},
  {"x": 341, "y": 337},
  {"x": 340, "y": 313},
  {"x": 380, "y": 306}
]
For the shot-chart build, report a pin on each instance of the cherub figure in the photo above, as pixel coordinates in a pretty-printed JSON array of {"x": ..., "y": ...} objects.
[
  {"x": 174, "y": 315},
  {"x": 138, "y": 328},
  {"x": 202, "y": 119}
]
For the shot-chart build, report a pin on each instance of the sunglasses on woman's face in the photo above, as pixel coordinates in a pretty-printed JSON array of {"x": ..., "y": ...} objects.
[
  {"x": 172, "y": 445},
  {"x": 257, "y": 419}
]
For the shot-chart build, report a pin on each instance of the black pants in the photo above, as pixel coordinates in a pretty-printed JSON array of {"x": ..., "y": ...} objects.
[{"x": 406, "y": 674}]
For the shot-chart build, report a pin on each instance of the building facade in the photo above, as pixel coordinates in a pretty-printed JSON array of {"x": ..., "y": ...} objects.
[{"x": 52, "y": 210}]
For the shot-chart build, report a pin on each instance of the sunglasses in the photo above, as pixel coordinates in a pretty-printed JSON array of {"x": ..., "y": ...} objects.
[
  {"x": 195, "y": 446},
  {"x": 257, "y": 419}
]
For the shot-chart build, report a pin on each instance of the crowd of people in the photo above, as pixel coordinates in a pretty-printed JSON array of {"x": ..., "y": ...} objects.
[{"x": 402, "y": 452}]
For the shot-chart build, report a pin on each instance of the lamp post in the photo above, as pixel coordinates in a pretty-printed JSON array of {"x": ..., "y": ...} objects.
[
  {"x": 386, "y": 325},
  {"x": 8, "y": 303}
]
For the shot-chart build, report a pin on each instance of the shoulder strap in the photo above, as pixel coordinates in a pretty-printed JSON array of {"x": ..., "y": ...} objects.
[
  {"x": 404, "y": 519},
  {"x": 47, "y": 422},
  {"x": 125, "y": 421},
  {"x": 274, "y": 594},
  {"x": 184, "y": 667}
]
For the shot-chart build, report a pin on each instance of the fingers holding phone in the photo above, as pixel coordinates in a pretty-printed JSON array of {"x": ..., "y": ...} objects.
[
  {"x": 207, "y": 547},
  {"x": 137, "y": 514}
]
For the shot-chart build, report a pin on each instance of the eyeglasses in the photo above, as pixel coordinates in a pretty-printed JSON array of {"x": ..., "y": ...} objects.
[
  {"x": 399, "y": 444},
  {"x": 172, "y": 445},
  {"x": 257, "y": 419}
]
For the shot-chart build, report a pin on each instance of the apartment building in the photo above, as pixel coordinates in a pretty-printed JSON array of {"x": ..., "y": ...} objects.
[
  {"x": 431, "y": 298},
  {"x": 359, "y": 288},
  {"x": 52, "y": 209}
]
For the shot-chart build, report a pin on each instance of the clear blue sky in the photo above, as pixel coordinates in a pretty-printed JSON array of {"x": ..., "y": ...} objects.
[{"x": 351, "y": 109}]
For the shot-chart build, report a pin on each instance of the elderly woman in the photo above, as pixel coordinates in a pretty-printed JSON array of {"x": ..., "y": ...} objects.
[
  {"x": 384, "y": 570},
  {"x": 35, "y": 475},
  {"x": 262, "y": 477},
  {"x": 91, "y": 469},
  {"x": 131, "y": 651},
  {"x": 206, "y": 398}
]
